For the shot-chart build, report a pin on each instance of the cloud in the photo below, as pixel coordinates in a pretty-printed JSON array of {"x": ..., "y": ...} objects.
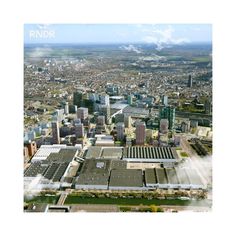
[
  {"x": 43, "y": 26},
  {"x": 39, "y": 52},
  {"x": 162, "y": 37},
  {"x": 131, "y": 48}
]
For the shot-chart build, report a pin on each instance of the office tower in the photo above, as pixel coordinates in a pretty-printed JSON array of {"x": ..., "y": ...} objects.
[
  {"x": 59, "y": 115},
  {"x": 78, "y": 98},
  {"x": 130, "y": 99},
  {"x": 106, "y": 111},
  {"x": 140, "y": 133},
  {"x": 72, "y": 109},
  {"x": 32, "y": 148},
  {"x": 101, "y": 120},
  {"x": 185, "y": 126},
  {"x": 164, "y": 124},
  {"x": 208, "y": 107},
  {"x": 66, "y": 108},
  {"x": 120, "y": 127},
  {"x": 167, "y": 113},
  {"x": 82, "y": 113},
  {"x": 164, "y": 100},
  {"x": 128, "y": 121},
  {"x": 55, "y": 133},
  {"x": 31, "y": 135},
  {"x": 79, "y": 130},
  {"x": 190, "y": 81},
  {"x": 105, "y": 99}
]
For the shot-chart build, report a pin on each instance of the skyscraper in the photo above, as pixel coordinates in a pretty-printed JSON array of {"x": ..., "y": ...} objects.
[
  {"x": 120, "y": 127},
  {"x": 127, "y": 121},
  {"x": 79, "y": 130},
  {"x": 101, "y": 120},
  {"x": 105, "y": 99},
  {"x": 164, "y": 100},
  {"x": 167, "y": 113},
  {"x": 164, "y": 124},
  {"x": 208, "y": 107},
  {"x": 66, "y": 108},
  {"x": 78, "y": 98},
  {"x": 190, "y": 81},
  {"x": 55, "y": 133},
  {"x": 82, "y": 113},
  {"x": 130, "y": 99},
  {"x": 32, "y": 148},
  {"x": 106, "y": 111},
  {"x": 140, "y": 133}
]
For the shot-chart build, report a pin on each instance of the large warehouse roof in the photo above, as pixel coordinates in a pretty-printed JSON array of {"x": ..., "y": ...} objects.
[
  {"x": 104, "y": 152},
  {"x": 126, "y": 178},
  {"x": 161, "y": 176},
  {"x": 150, "y": 176},
  {"x": 45, "y": 150},
  {"x": 139, "y": 153}
]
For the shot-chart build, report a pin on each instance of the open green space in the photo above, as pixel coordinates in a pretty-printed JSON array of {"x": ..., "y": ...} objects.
[
  {"x": 42, "y": 199},
  {"x": 130, "y": 201}
]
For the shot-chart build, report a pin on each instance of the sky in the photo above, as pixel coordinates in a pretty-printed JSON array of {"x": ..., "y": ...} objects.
[{"x": 158, "y": 34}]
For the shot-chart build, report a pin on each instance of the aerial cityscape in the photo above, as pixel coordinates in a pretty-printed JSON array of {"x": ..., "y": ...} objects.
[{"x": 117, "y": 118}]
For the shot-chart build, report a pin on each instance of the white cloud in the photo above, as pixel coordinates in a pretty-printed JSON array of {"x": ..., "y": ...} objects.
[
  {"x": 131, "y": 48},
  {"x": 162, "y": 37}
]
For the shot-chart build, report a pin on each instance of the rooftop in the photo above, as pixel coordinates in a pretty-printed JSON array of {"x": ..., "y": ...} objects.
[
  {"x": 126, "y": 178},
  {"x": 151, "y": 153},
  {"x": 150, "y": 176}
]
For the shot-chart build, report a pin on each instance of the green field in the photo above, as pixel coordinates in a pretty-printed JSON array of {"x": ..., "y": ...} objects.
[
  {"x": 43, "y": 199},
  {"x": 131, "y": 201}
]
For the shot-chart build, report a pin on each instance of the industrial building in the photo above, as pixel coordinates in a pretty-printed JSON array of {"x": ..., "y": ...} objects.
[
  {"x": 104, "y": 152},
  {"x": 126, "y": 179},
  {"x": 95, "y": 173},
  {"x": 150, "y": 154},
  {"x": 49, "y": 172},
  {"x": 173, "y": 178}
]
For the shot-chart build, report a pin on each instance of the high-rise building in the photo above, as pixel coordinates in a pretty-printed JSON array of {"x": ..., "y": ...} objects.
[
  {"x": 78, "y": 98},
  {"x": 164, "y": 100},
  {"x": 32, "y": 148},
  {"x": 58, "y": 115},
  {"x": 167, "y": 112},
  {"x": 130, "y": 99},
  {"x": 208, "y": 107},
  {"x": 185, "y": 126},
  {"x": 106, "y": 111},
  {"x": 127, "y": 121},
  {"x": 55, "y": 133},
  {"x": 105, "y": 99},
  {"x": 72, "y": 109},
  {"x": 101, "y": 120},
  {"x": 164, "y": 124},
  {"x": 66, "y": 108},
  {"x": 120, "y": 127},
  {"x": 82, "y": 113},
  {"x": 140, "y": 133},
  {"x": 79, "y": 130},
  {"x": 190, "y": 81}
]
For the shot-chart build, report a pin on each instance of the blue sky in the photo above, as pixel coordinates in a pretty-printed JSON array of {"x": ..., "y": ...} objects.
[{"x": 117, "y": 33}]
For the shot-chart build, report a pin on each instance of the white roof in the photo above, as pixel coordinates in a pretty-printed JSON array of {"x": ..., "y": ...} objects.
[{"x": 45, "y": 150}]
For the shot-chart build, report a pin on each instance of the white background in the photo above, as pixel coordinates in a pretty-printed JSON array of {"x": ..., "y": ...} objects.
[{"x": 14, "y": 14}]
